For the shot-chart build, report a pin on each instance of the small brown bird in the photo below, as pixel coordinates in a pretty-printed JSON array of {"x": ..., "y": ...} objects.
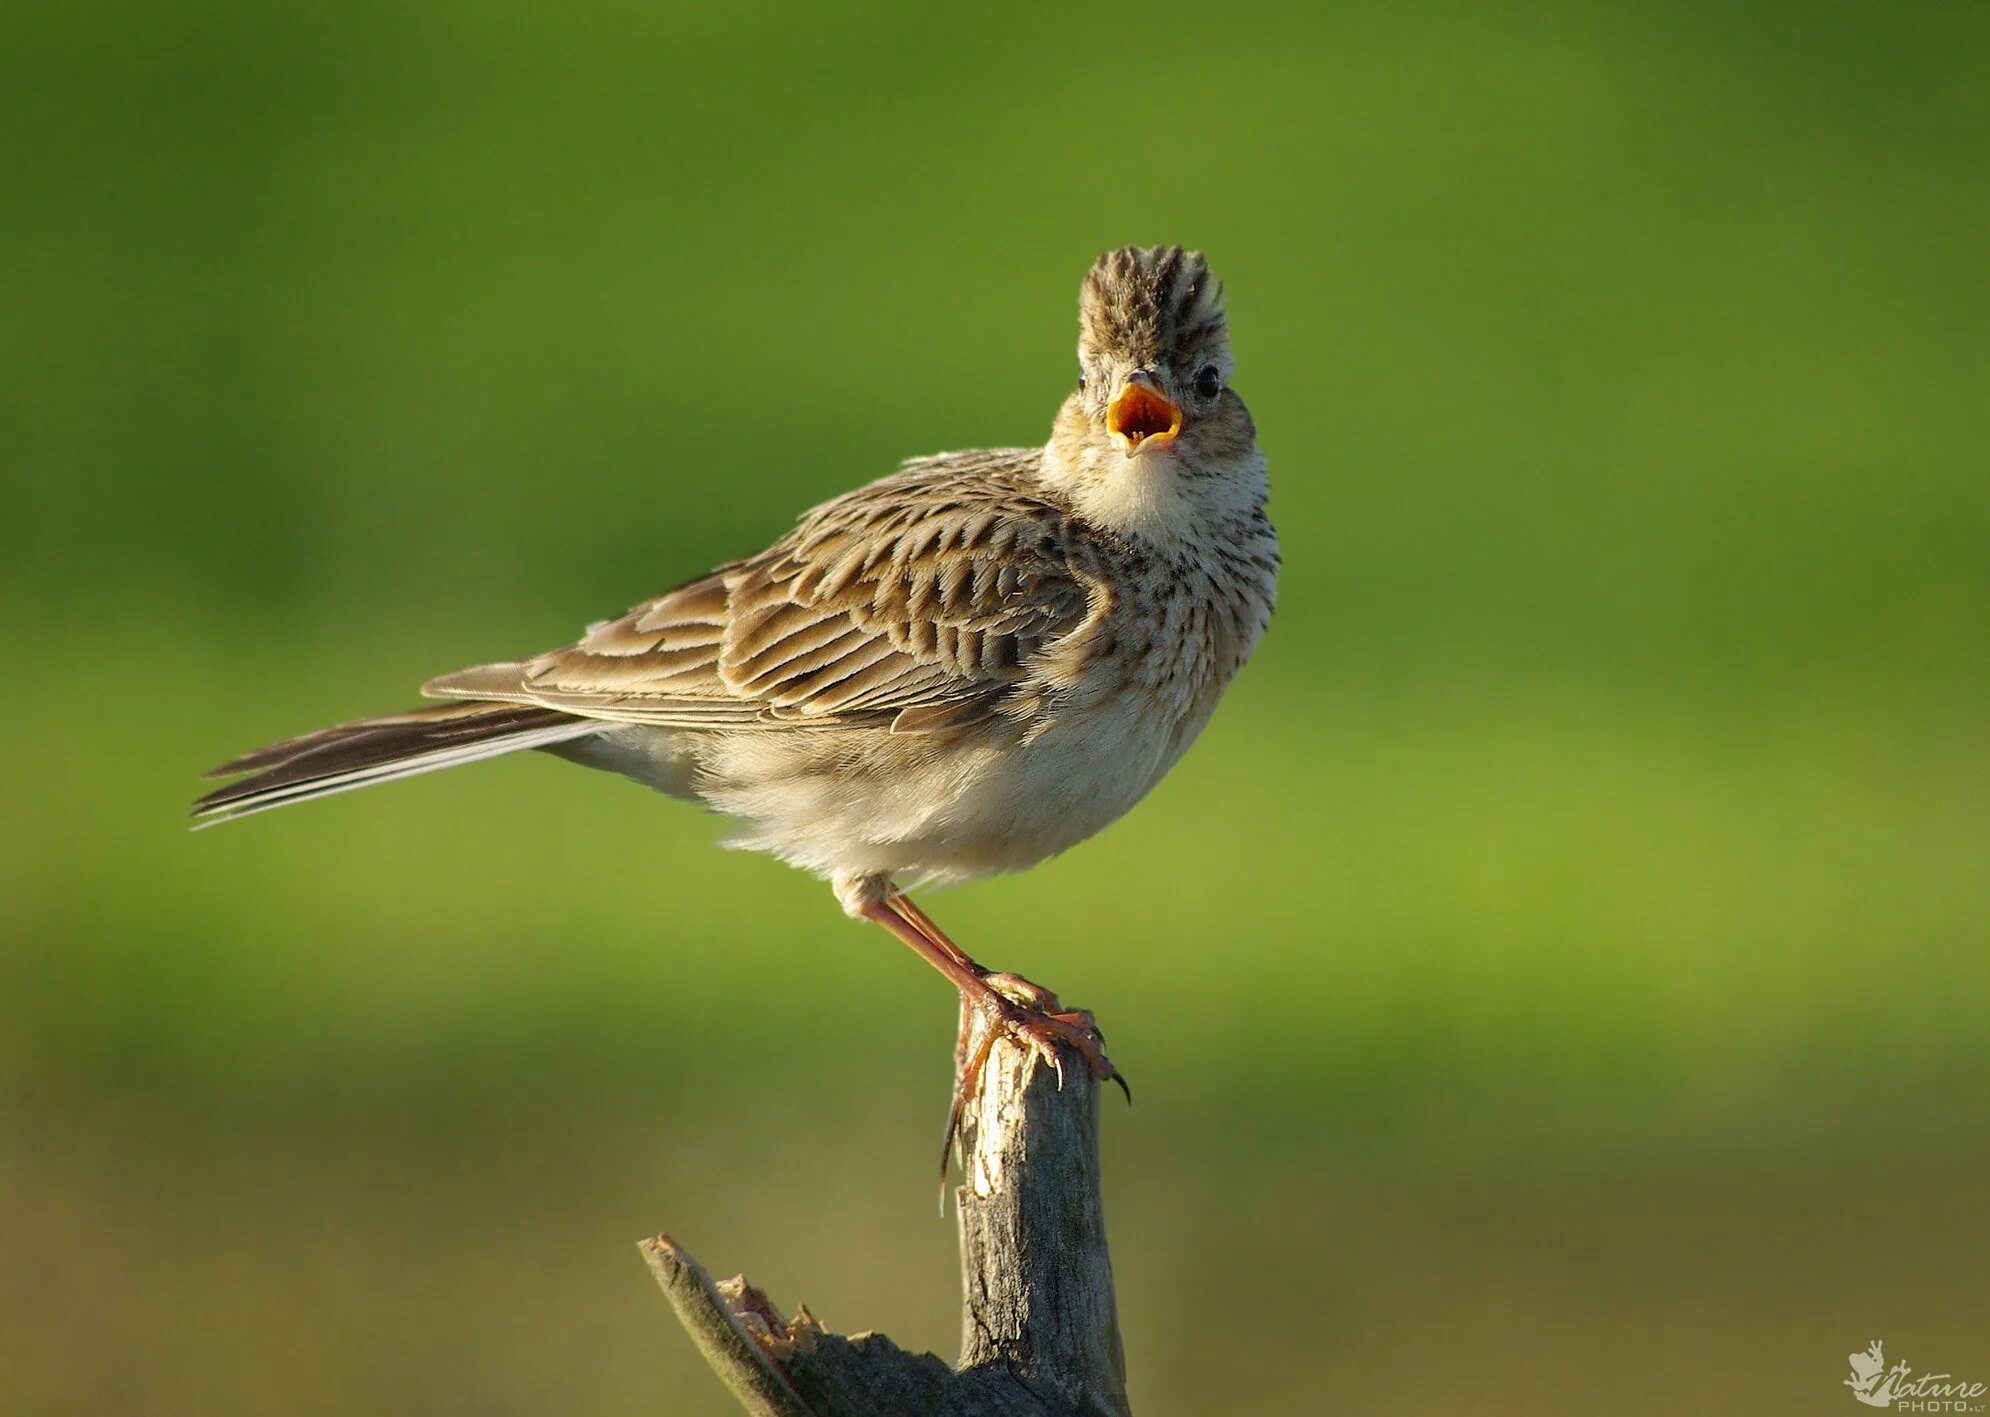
[{"x": 962, "y": 668}]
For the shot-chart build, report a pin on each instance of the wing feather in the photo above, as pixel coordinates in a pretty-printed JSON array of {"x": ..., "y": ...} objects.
[{"x": 918, "y": 601}]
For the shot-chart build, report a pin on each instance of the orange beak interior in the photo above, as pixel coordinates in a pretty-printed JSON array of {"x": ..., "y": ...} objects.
[{"x": 1142, "y": 414}]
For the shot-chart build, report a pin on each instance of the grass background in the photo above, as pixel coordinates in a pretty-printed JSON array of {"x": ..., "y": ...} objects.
[{"x": 1556, "y": 981}]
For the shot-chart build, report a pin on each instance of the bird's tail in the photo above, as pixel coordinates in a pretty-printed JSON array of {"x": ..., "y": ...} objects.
[{"x": 380, "y": 750}]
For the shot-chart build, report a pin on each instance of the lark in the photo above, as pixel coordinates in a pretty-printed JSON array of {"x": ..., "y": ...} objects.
[{"x": 957, "y": 670}]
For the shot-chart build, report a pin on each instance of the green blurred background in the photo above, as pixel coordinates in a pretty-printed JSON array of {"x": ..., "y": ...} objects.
[{"x": 1557, "y": 981}]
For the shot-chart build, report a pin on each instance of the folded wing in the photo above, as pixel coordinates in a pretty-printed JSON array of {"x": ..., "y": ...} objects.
[{"x": 917, "y": 601}]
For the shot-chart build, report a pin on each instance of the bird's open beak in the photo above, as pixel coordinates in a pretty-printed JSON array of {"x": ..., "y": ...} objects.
[{"x": 1141, "y": 416}]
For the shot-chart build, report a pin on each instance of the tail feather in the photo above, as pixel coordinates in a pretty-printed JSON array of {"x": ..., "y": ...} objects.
[{"x": 380, "y": 750}]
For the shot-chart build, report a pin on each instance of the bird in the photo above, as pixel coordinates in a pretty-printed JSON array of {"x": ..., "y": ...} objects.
[{"x": 961, "y": 669}]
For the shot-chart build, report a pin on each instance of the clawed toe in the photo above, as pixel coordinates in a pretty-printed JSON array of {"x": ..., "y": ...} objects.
[
  {"x": 1083, "y": 1034},
  {"x": 1038, "y": 1017},
  {"x": 1026, "y": 993},
  {"x": 1042, "y": 1024}
]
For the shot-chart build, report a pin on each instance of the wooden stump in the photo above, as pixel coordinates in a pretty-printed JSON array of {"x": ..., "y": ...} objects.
[{"x": 1039, "y": 1330}]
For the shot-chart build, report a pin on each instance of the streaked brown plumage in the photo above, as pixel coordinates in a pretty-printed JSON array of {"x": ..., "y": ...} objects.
[{"x": 959, "y": 669}]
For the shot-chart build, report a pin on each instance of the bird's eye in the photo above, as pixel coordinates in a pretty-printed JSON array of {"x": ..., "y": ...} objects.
[
  {"x": 1081, "y": 379},
  {"x": 1209, "y": 383}
]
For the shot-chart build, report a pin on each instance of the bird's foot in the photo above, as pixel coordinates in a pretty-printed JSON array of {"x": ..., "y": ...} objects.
[{"x": 1034, "y": 1016}]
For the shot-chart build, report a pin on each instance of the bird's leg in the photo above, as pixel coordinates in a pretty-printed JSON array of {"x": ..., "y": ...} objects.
[
  {"x": 1040, "y": 1008},
  {"x": 1018, "y": 990},
  {"x": 1028, "y": 1011},
  {"x": 901, "y": 905}
]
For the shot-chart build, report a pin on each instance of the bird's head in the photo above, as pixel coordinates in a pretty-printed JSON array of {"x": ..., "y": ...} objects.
[
  {"x": 1153, "y": 348},
  {"x": 1154, "y": 366}
]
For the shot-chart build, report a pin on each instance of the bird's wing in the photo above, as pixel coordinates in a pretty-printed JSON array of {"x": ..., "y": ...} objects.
[{"x": 917, "y": 601}]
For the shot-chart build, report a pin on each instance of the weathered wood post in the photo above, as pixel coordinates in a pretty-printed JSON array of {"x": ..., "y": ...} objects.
[{"x": 1039, "y": 1330}]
